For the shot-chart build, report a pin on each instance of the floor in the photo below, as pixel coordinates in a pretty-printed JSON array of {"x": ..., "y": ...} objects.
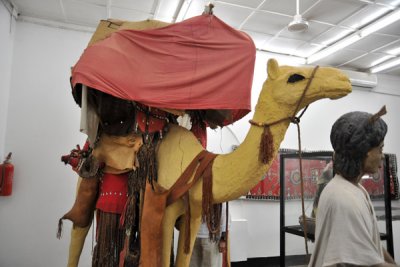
[{"x": 292, "y": 261}]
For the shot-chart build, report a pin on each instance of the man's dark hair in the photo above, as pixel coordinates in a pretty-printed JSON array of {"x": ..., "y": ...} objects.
[{"x": 352, "y": 136}]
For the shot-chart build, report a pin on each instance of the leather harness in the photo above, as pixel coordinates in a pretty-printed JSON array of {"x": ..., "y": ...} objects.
[{"x": 155, "y": 202}]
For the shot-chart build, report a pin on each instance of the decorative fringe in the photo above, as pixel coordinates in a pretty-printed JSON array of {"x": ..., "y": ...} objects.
[
  {"x": 215, "y": 222},
  {"x": 129, "y": 221},
  {"x": 129, "y": 215},
  {"x": 136, "y": 182},
  {"x": 266, "y": 146},
  {"x": 133, "y": 256},
  {"x": 151, "y": 162},
  {"x": 211, "y": 213},
  {"x": 59, "y": 228},
  {"x": 130, "y": 254},
  {"x": 147, "y": 168},
  {"x": 110, "y": 240},
  {"x": 124, "y": 252}
]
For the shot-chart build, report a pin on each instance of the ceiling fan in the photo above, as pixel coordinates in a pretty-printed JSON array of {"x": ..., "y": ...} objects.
[{"x": 298, "y": 24}]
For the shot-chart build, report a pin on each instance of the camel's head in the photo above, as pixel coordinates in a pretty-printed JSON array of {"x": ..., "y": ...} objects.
[{"x": 288, "y": 84}]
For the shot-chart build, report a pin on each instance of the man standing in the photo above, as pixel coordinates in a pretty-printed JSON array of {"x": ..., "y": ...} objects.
[
  {"x": 208, "y": 252},
  {"x": 347, "y": 233}
]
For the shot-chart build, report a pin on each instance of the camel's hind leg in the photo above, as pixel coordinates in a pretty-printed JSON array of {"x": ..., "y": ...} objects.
[
  {"x": 183, "y": 259},
  {"x": 171, "y": 215}
]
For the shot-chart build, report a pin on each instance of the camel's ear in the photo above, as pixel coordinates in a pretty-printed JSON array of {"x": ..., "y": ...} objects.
[{"x": 273, "y": 69}]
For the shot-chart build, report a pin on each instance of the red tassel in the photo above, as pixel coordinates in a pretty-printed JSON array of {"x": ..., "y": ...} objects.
[{"x": 266, "y": 146}]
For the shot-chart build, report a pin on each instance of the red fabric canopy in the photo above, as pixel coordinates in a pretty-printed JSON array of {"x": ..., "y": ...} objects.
[{"x": 199, "y": 63}]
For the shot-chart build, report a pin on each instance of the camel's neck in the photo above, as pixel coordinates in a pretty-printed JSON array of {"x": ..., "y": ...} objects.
[
  {"x": 234, "y": 174},
  {"x": 246, "y": 169}
]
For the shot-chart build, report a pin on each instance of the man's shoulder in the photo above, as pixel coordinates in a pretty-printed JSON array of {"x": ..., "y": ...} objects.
[{"x": 338, "y": 194}]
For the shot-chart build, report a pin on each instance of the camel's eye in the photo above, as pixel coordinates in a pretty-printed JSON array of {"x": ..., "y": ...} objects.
[{"x": 295, "y": 78}]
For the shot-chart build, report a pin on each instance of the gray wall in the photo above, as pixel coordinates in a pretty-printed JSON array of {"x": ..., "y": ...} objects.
[
  {"x": 42, "y": 125},
  {"x": 7, "y": 32}
]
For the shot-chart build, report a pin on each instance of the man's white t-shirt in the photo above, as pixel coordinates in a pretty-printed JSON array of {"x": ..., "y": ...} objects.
[{"x": 346, "y": 227}]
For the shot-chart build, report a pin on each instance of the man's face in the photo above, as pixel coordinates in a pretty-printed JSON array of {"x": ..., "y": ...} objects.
[{"x": 373, "y": 161}]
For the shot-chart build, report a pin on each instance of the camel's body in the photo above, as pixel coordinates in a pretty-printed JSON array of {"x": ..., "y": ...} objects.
[{"x": 236, "y": 173}]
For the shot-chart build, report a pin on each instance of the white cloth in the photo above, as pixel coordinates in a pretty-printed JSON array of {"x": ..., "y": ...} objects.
[
  {"x": 89, "y": 119},
  {"x": 346, "y": 227},
  {"x": 205, "y": 253}
]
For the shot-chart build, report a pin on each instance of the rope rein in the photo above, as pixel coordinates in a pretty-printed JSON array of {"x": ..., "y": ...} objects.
[{"x": 296, "y": 120}]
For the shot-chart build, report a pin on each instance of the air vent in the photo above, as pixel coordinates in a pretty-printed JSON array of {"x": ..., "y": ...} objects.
[{"x": 362, "y": 79}]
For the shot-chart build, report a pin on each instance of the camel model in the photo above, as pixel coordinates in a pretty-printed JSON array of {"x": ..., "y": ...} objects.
[
  {"x": 284, "y": 93},
  {"x": 236, "y": 173}
]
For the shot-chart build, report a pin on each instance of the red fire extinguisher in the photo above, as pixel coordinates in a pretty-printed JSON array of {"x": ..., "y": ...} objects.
[{"x": 6, "y": 176}]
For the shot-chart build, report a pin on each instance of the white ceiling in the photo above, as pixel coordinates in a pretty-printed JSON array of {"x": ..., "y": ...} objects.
[{"x": 264, "y": 20}]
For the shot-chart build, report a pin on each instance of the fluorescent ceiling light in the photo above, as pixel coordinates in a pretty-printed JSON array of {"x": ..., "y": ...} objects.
[
  {"x": 380, "y": 60},
  {"x": 183, "y": 10},
  {"x": 166, "y": 10},
  {"x": 394, "y": 3},
  {"x": 333, "y": 48},
  {"x": 373, "y": 27},
  {"x": 387, "y": 65},
  {"x": 394, "y": 51},
  {"x": 385, "y": 21}
]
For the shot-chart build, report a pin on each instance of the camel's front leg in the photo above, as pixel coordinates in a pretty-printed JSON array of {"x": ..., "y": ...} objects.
[
  {"x": 78, "y": 236},
  {"x": 183, "y": 259},
  {"x": 171, "y": 215}
]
